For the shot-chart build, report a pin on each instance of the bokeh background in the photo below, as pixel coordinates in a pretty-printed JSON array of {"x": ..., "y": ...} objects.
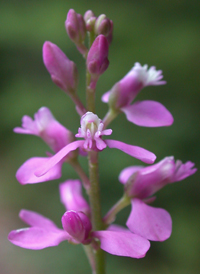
[{"x": 164, "y": 33}]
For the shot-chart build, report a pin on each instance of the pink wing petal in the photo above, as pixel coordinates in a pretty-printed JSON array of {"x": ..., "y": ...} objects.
[
  {"x": 105, "y": 97},
  {"x": 149, "y": 222},
  {"x": 71, "y": 196},
  {"x": 26, "y": 173},
  {"x": 118, "y": 228},
  {"x": 37, "y": 237},
  {"x": 127, "y": 172},
  {"x": 183, "y": 171},
  {"x": 35, "y": 219},
  {"x": 148, "y": 114},
  {"x": 58, "y": 157},
  {"x": 29, "y": 126},
  {"x": 122, "y": 243},
  {"x": 134, "y": 151}
]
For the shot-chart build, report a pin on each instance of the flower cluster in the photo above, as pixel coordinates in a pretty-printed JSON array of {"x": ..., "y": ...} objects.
[{"x": 82, "y": 222}]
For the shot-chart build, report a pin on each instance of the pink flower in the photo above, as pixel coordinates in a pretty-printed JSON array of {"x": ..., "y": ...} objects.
[
  {"x": 54, "y": 134},
  {"x": 92, "y": 131},
  {"x": 143, "y": 113},
  {"x": 140, "y": 183},
  {"x": 77, "y": 229},
  {"x": 43, "y": 233}
]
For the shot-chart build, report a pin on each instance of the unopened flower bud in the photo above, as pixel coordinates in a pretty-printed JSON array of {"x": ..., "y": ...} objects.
[
  {"x": 77, "y": 224},
  {"x": 88, "y": 14},
  {"x": 63, "y": 71},
  {"x": 102, "y": 25},
  {"x": 97, "y": 59},
  {"x": 90, "y": 20},
  {"x": 75, "y": 27},
  {"x": 110, "y": 34}
]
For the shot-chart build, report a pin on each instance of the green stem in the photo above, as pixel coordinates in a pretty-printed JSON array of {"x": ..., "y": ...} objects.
[
  {"x": 78, "y": 103},
  {"x": 94, "y": 197},
  {"x": 90, "y": 255},
  {"x": 122, "y": 203},
  {"x": 91, "y": 38},
  {"x": 94, "y": 190},
  {"x": 90, "y": 94},
  {"x": 110, "y": 116}
]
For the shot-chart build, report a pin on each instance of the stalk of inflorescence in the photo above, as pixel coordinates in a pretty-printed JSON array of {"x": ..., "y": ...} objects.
[{"x": 94, "y": 191}]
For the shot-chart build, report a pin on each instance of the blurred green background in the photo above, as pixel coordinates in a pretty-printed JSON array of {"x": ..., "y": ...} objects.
[{"x": 159, "y": 32}]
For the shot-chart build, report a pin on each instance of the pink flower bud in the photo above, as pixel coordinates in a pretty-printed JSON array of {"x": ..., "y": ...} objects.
[
  {"x": 97, "y": 59},
  {"x": 102, "y": 25},
  {"x": 110, "y": 34},
  {"x": 63, "y": 71},
  {"x": 88, "y": 14},
  {"x": 90, "y": 20},
  {"x": 75, "y": 27},
  {"x": 77, "y": 224}
]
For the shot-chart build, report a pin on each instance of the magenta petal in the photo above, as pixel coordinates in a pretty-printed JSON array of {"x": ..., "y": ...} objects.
[
  {"x": 71, "y": 196},
  {"x": 25, "y": 174},
  {"x": 126, "y": 173},
  {"x": 148, "y": 114},
  {"x": 105, "y": 97},
  {"x": 183, "y": 171},
  {"x": 152, "y": 223},
  {"x": 37, "y": 237},
  {"x": 122, "y": 243},
  {"x": 35, "y": 219},
  {"x": 63, "y": 71},
  {"x": 135, "y": 151},
  {"x": 58, "y": 157},
  {"x": 118, "y": 228}
]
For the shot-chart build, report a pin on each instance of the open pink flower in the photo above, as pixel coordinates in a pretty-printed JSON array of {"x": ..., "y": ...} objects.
[
  {"x": 54, "y": 134},
  {"x": 92, "y": 131},
  {"x": 77, "y": 229},
  {"x": 140, "y": 183},
  {"x": 142, "y": 113},
  {"x": 43, "y": 233}
]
